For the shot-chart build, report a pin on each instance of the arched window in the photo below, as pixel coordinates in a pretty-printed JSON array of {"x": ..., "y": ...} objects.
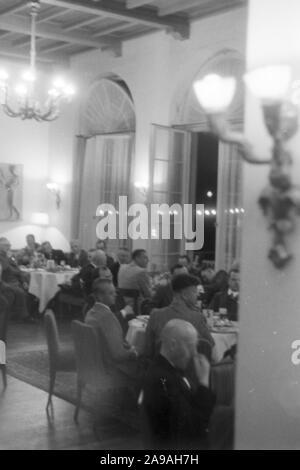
[{"x": 105, "y": 151}]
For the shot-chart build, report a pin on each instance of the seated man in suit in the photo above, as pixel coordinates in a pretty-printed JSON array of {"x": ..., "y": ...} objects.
[
  {"x": 229, "y": 298},
  {"x": 27, "y": 255},
  {"x": 77, "y": 257},
  {"x": 101, "y": 245},
  {"x": 13, "y": 284},
  {"x": 123, "y": 257},
  {"x": 118, "y": 353},
  {"x": 134, "y": 276},
  {"x": 184, "y": 307},
  {"x": 176, "y": 410},
  {"x": 50, "y": 253}
]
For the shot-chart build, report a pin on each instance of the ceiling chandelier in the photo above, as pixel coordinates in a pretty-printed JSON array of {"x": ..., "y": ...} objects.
[{"x": 23, "y": 101}]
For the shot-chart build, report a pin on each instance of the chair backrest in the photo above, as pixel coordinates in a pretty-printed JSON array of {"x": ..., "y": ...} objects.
[
  {"x": 51, "y": 336},
  {"x": 204, "y": 347},
  {"x": 222, "y": 382},
  {"x": 4, "y": 312},
  {"x": 89, "y": 358}
]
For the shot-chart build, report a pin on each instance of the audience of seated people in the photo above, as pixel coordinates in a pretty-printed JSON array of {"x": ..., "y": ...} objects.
[
  {"x": 229, "y": 298},
  {"x": 176, "y": 411},
  {"x": 176, "y": 400},
  {"x": 184, "y": 307}
]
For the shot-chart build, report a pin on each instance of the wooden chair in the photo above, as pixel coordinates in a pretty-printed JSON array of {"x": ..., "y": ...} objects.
[
  {"x": 70, "y": 302},
  {"x": 59, "y": 360},
  {"x": 204, "y": 347},
  {"x": 91, "y": 369},
  {"x": 222, "y": 383},
  {"x": 4, "y": 313}
]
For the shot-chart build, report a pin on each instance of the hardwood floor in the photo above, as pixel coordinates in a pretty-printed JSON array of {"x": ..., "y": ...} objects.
[{"x": 24, "y": 424}]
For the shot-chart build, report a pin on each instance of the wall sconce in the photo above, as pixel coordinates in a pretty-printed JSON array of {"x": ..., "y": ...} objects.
[
  {"x": 280, "y": 200},
  {"x": 54, "y": 189},
  {"x": 142, "y": 188}
]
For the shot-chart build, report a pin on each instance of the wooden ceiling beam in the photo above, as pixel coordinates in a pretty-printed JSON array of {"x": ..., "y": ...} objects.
[
  {"x": 113, "y": 9},
  {"x": 112, "y": 29},
  {"x": 6, "y": 50},
  {"x": 20, "y": 25},
  {"x": 207, "y": 7},
  {"x": 14, "y": 9},
  {"x": 179, "y": 5},
  {"x": 137, "y": 3},
  {"x": 80, "y": 24}
]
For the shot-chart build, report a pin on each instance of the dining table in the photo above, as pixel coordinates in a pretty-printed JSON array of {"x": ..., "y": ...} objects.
[
  {"x": 44, "y": 284},
  {"x": 225, "y": 336}
]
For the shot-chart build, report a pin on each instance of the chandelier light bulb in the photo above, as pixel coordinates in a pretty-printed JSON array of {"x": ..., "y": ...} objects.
[
  {"x": 29, "y": 75},
  {"x": 69, "y": 90},
  {"x": 54, "y": 93},
  {"x": 59, "y": 83},
  {"x": 3, "y": 75},
  {"x": 21, "y": 89},
  {"x": 215, "y": 93}
]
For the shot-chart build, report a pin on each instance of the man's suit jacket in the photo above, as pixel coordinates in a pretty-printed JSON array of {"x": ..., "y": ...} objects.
[
  {"x": 11, "y": 274},
  {"x": 177, "y": 415},
  {"x": 160, "y": 317},
  {"x": 102, "y": 318},
  {"x": 80, "y": 261},
  {"x": 131, "y": 276},
  {"x": 223, "y": 300}
]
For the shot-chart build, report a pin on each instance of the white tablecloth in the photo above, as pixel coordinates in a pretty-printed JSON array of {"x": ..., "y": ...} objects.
[
  {"x": 136, "y": 334},
  {"x": 223, "y": 340},
  {"x": 44, "y": 285},
  {"x": 2, "y": 352}
]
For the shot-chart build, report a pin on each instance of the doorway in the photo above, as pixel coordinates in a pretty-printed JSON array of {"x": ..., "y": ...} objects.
[{"x": 204, "y": 187}]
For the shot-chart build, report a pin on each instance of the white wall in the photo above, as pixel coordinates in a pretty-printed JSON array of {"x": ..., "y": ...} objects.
[
  {"x": 268, "y": 387},
  {"x": 31, "y": 144}
]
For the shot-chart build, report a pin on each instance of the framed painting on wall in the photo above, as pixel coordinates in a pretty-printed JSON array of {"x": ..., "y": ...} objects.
[{"x": 11, "y": 191}]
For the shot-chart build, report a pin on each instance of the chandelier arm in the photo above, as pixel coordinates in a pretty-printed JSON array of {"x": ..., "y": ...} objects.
[
  {"x": 10, "y": 112},
  {"x": 220, "y": 128}
]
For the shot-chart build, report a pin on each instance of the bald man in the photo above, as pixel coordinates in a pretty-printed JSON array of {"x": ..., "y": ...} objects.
[{"x": 176, "y": 411}]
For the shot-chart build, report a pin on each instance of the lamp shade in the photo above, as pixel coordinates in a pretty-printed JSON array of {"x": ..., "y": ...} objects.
[
  {"x": 40, "y": 218},
  {"x": 269, "y": 83},
  {"x": 52, "y": 187},
  {"x": 214, "y": 92}
]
